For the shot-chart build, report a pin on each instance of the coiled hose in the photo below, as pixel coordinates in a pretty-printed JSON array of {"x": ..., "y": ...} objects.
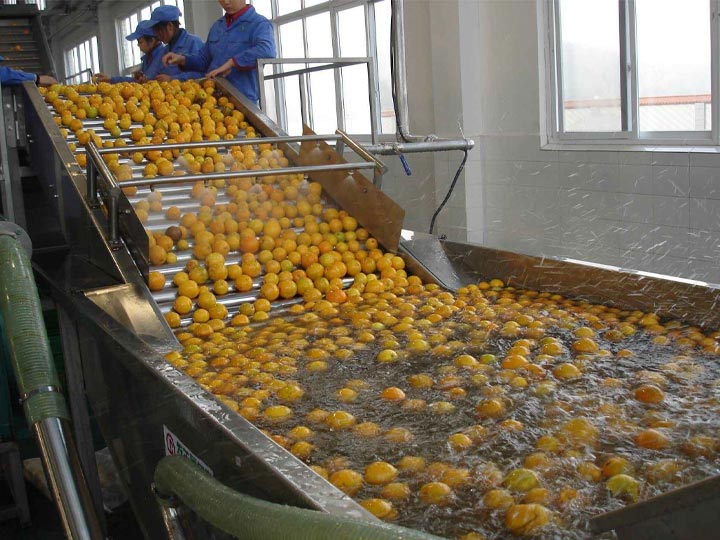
[
  {"x": 27, "y": 340},
  {"x": 246, "y": 517}
]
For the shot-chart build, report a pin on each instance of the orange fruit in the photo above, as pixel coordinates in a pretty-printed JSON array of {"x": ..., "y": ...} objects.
[{"x": 156, "y": 281}]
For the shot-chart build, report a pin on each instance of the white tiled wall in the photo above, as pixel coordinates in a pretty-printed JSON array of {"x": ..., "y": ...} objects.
[{"x": 474, "y": 66}]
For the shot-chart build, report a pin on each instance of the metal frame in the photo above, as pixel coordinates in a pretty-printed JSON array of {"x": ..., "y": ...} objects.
[
  {"x": 630, "y": 133},
  {"x": 67, "y": 51},
  {"x": 336, "y": 64},
  {"x": 111, "y": 191},
  {"x": 334, "y": 8},
  {"x": 7, "y": 187}
]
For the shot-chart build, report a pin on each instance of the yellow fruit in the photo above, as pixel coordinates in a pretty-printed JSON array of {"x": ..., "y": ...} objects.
[
  {"x": 622, "y": 485},
  {"x": 380, "y": 508},
  {"x": 526, "y": 519},
  {"x": 347, "y": 481},
  {"x": 436, "y": 493},
  {"x": 521, "y": 480}
]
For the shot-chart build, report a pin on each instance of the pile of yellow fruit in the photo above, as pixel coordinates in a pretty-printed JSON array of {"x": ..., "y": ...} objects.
[
  {"x": 275, "y": 226},
  {"x": 477, "y": 414}
]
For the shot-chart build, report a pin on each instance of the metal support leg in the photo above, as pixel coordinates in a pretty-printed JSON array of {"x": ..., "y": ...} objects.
[{"x": 79, "y": 409}]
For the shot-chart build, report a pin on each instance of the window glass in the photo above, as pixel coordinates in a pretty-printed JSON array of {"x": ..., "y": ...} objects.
[
  {"x": 319, "y": 41},
  {"x": 288, "y": 6},
  {"x": 292, "y": 100},
  {"x": 382, "y": 56},
  {"x": 291, "y": 41},
  {"x": 79, "y": 59},
  {"x": 322, "y": 91},
  {"x": 304, "y": 34},
  {"x": 263, "y": 7},
  {"x": 352, "y": 32},
  {"x": 590, "y": 69},
  {"x": 355, "y": 99},
  {"x": 674, "y": 65}
]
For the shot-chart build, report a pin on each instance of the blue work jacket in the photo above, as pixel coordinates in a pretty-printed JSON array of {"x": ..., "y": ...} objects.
[
  {"x": 9, "y": 76},
  {"x": 150, "y": 65},
  {"x": 248, "y": 38},
  {"x": 186, "y": 44}
]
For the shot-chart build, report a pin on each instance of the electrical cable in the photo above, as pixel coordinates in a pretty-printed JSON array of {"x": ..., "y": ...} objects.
[{"x": 449, "y": 193}]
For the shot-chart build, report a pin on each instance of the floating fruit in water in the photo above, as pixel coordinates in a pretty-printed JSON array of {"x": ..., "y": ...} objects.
[{"x": 526, "y": 519}]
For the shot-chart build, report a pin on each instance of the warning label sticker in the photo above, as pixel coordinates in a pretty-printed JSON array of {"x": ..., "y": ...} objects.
[{"x": 175, "y": 447}]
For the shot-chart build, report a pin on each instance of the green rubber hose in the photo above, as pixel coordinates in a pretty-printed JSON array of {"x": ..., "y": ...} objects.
[
  {"x": 27, "y": 340},
  {"x": 249, "y": 518}
]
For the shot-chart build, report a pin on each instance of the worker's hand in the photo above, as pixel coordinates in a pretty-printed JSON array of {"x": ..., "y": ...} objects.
[
  {"x": 139, "y": 76},
  {"x": 173, "y": 59},
  {"x": 221, "y": 71},
  {"x": 46, "y": 80},
  {"x": 101, "y": 78},
  {"x": 163, "y": 77}
]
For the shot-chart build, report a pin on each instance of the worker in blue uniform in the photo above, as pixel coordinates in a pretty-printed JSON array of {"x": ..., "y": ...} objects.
[
  {"x": 234, "y": 44},
  {"x": 165, "y": 22},
  {"x": 12, "y": 77},
  {"x": 151, "y": 61}
]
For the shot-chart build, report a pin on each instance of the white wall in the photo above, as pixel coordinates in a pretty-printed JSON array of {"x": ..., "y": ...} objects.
[{"x": 651, "y": 211}]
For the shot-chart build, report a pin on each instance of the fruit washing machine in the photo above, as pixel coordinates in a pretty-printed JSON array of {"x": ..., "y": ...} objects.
[{"x": 115, "y": 335}]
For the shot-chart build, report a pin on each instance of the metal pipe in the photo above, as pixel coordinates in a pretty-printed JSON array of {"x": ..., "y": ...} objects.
[
  {"x": 66, "y": 479},
  {"x": 159, "y": 180},
  {"x": 91, "y": 194},
  {"x": 215, "y": 144},
  {"x": 362, "y": 151},
  {"x": 400, "y": 83},
  {"x": 171, "y": 519},
  {"x": 113, "y": 217},
  {"x": 399, "y": 80},
  {"x": 389, "y": 149}
]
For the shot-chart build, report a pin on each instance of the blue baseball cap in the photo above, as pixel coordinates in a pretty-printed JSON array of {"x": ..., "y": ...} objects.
[
  {"x": 143, "y": 29},
  {"x": 165, "y": 14}
]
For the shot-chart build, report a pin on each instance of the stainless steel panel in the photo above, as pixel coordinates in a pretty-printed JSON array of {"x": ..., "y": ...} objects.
[{"x": 134, "y": 392}]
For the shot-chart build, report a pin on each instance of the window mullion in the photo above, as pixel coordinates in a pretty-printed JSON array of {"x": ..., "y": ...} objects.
[
  {"x": 559, "y": 123},
  {"x": 337, "y": 73},
  {"x": 714, "y": 71},
  {"x": 632, "y": 63},
  {"x": 373, "y": 81},
  {"x": 304, "y": 80},
  {"x": 280, "y": 87},
  {"x": 624, "y": 65}
]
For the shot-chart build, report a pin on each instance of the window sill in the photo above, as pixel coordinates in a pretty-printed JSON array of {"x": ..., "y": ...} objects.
[{"x": 604, "y": 147}]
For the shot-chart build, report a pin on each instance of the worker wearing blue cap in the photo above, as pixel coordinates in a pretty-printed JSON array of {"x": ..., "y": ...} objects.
[
  {"x": 233, "y": 46},
  {"x": 12, "y": 77},
  {"x": 165, "y": 22},
  {"x": 150, "y": 63}
]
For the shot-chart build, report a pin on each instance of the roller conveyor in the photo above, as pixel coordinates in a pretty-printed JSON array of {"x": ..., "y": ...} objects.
[{"x": 120, "y": 321}]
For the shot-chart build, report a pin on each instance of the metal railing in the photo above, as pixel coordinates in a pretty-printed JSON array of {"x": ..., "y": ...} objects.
[
  {"x": 69, "y": 78},
  {"x": 303, "y": 82},
  {"x": 101, "y": 180}
]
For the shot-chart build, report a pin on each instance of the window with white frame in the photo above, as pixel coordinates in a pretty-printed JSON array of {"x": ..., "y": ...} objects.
[
  {"x": 632, "y": 71},
  {"x": 331, "y": 29},
  {"x": 40, "y": 3},
  {"x": 130, "y": 55},
  {"x": 80, "y": 60}
]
